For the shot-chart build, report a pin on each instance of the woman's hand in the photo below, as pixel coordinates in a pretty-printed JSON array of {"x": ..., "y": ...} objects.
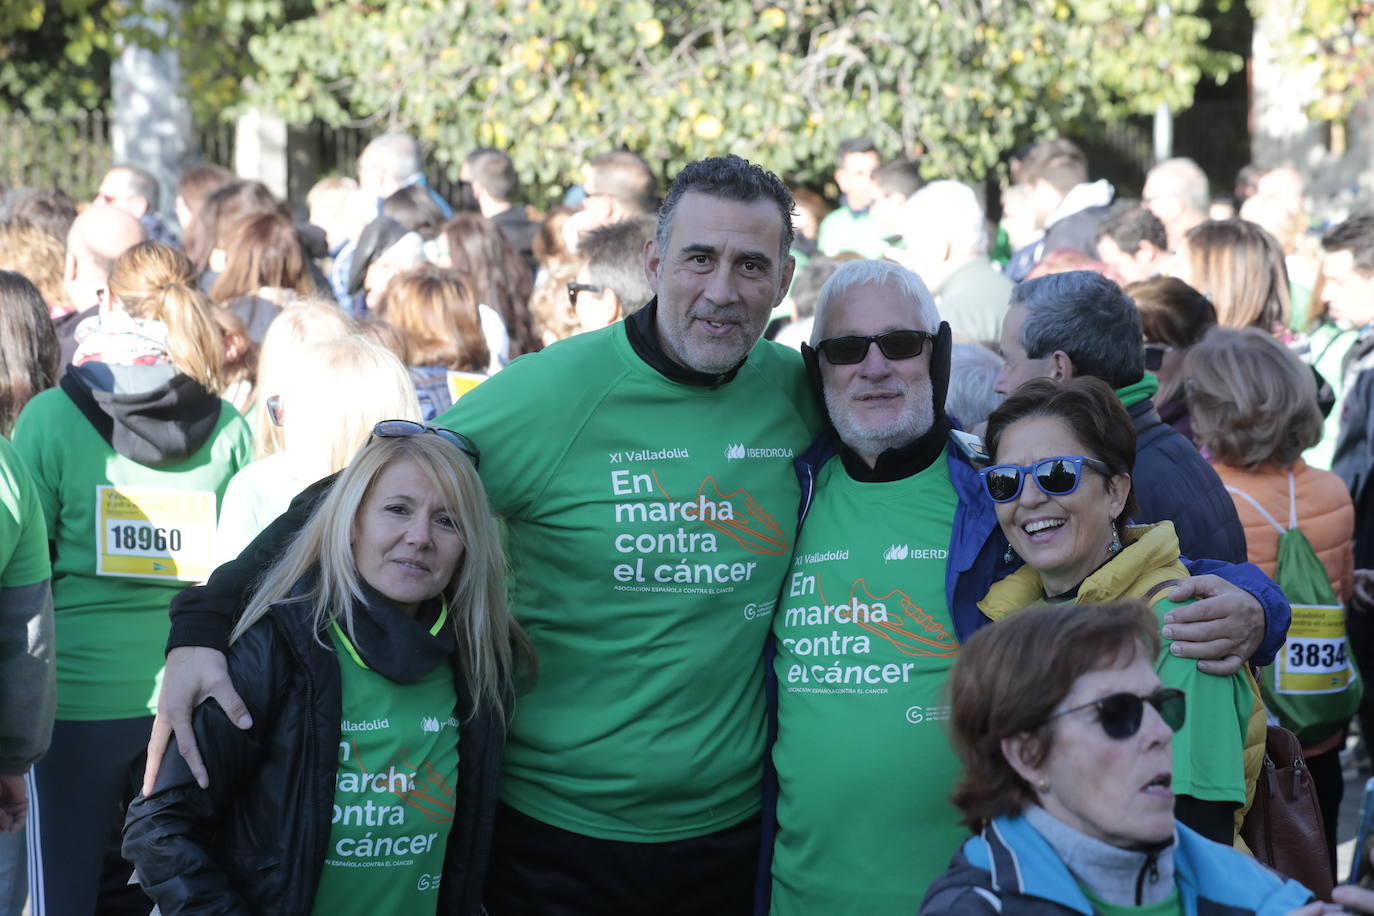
[
  {"x": 1222, "y": 628},
  {"x": 193, "y": 674}
]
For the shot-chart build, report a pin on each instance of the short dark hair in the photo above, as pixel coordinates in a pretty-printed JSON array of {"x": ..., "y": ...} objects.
[
  {"x": 627, "y": 178},
  {"x": 898, "y": 176},
  {"x": 1058, "y": 161},
  {"x": 1128, "y": 224},
  {"x": 729, "y": 178},
  {"x": 143, "y": 183},
  {"x": 49, "y": 209},
  {"x": 1009, "y": 678},
  {"x": 615, "y": 260},
  {"x": 1171, "y": 311},
  {"x": 413, "y": 208},
  {"x": 1355, "y": 235},
  {"x": 494, "y": 171},
  {"x": 1088, "y": 317},
  {"x": 1092, "y": 412},
  {"x": 854, "y": 145}
]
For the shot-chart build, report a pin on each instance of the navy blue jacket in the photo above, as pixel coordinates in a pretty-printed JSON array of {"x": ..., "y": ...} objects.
[
  {"x": 977, "y": 558},
  {"x": 1175, "y": 483}
]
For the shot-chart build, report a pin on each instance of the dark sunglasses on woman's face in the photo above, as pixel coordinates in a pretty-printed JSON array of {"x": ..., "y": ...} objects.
[
  {"x": 1121, "y": 713},
  {"x": 1154, "y": 355},
  {"x": 401, "y": 429},
  {"x": 846, "y": 351},
  {"x": 1054, "y": 476}
]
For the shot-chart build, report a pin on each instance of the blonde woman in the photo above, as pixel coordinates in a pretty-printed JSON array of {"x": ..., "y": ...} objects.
[
  {"x": 326, "y": 410},
  {"x": 375, "y": 660},
  {"x": 296, "y": 327},
  {"x": 131, "y": 455}
]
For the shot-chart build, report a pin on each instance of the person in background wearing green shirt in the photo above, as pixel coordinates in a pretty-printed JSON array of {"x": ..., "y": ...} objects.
[
  {"x": 852, "y": 226},
  {"x": 379, "y": 642}
]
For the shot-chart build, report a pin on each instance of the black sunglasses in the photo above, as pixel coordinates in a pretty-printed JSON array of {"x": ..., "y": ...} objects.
[
  {"x": 1054, "y": 476},
  {"x": 846, "y": 351},
  {"x": 1154, "y": 355},
  {"x": 575, "y": 288},
  {"x": 1121, "y": 713},
  {"x": 402, "y": 429}
]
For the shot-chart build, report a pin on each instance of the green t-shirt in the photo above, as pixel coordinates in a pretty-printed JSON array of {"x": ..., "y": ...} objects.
[
  {"x": 844, "y": 230},
  {"x": 1327, "y": 347},
  {"x": 1169, "y": 906},
  {"x": 395, "y": 793},
  {"x": 128, "y": 537},
  {"x": 865, "y": 644},
  {"x": 648, "y": 525},
  {"x": 1209, "y": 749},
  {"x": 23, "y": 536}
]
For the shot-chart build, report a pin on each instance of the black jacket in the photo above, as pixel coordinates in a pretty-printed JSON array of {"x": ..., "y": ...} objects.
[
  {"x": 255, "y": 841},
  {"x": 1174, "y": 482}
]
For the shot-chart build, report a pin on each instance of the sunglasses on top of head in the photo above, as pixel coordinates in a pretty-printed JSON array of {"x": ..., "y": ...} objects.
[
  {"x": 401, "y": 429},
  {"x": 1120, "y": 714},
  {"x": 846, "y": 351},
  {"x": 1054, "y": 476}
]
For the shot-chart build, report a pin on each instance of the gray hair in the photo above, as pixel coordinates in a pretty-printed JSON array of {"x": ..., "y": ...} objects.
[
  {"x": 396, "y": 154},
  {"x": 953, "y": 207},
  {"x": 1188, "y": 178},
  {"x": 729, "y": 178},
  {"x": 973, "y": 369},
  {"x": 142, "y": 183},
  {"x": 1088, "y": 317},
  {"x": 853, "y": 274}
]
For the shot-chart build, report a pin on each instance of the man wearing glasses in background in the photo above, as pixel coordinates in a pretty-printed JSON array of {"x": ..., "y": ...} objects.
[{"x": 898, "y": 542}]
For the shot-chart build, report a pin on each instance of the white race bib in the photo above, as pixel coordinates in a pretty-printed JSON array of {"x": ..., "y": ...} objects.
[{"x": 154, "y": 532}]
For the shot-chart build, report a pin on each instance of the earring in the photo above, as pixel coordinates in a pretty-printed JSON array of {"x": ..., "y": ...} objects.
[
  {"x": 1042, "y": 786},
  {"x": 1009, "y": 555},
  {"x": 1114, "y": 547}
]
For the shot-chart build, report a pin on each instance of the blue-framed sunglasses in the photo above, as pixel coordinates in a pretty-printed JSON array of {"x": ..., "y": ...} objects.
[
  {"x": 1054, "y": 476},
  {"x": 401, "y": 429}
]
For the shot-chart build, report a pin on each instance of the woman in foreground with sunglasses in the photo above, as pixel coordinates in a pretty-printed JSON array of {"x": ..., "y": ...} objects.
[
  {"x": 1064, "y": 731},
  {"x": 375, "y": 660},
  {"x": 1060, "y": 479}
]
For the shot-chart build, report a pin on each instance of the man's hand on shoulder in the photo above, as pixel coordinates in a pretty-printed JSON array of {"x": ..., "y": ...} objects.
[
  {"x": 193, "y": 675},
  {"x": 1221, "y": 628}
]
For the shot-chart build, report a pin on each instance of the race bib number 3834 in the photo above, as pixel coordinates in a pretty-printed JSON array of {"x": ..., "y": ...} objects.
[
  {"x": 1314, "y": 659},
  {"x": 154, "y": 532}
]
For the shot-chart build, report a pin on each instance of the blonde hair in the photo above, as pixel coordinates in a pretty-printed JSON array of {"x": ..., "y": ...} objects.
[
  {"x": 27, "y": 249},
  {"x": 156, "y": 282},
  {"x": 339, "y": 390},
  {"x": 1240, "y": 268},
  {"x": 298, "y": 324},
  {"x": 322, "y": 553},
  {"x": 1252, "y": 400}
]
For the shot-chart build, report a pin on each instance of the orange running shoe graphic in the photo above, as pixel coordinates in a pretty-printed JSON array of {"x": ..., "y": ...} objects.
[
  {"x": 909, "y": 628},
  {"x": 750, "y": 524}
]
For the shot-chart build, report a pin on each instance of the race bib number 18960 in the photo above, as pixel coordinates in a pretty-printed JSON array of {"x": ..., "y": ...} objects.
[{"x": 154, "y": 532}]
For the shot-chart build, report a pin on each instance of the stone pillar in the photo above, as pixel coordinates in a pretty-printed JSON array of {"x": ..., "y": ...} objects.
[
  {"x": 151, "y": 123},
  {"x": 260, "y": 150}
]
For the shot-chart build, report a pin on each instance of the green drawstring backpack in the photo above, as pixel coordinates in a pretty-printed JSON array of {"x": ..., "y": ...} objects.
[{"x": 1311, "y": 687}]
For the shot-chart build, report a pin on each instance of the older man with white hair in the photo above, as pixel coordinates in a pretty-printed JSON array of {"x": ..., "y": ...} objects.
[
  {"x": 897, "y": 543},
  {"x": 945, "y": 233},
  {"x": 1177, "y": 192}
]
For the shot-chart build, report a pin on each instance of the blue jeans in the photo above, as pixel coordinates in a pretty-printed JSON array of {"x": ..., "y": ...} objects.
[{"x": 14, "y": 873}]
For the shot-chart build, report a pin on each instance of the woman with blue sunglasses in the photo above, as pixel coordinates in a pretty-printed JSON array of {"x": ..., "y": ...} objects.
[{"x": 1060, "y": 480}]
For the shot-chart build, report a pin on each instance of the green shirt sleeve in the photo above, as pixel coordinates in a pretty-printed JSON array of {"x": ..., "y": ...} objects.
[
  {"x": 1209, "y": 749},
  {"x": 23, "y": 532}
]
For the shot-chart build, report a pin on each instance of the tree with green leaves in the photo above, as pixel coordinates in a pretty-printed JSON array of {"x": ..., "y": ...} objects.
[{"x": 957, "y": 82}]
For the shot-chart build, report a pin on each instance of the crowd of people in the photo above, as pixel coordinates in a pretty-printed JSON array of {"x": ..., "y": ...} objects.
[{"x": 699, "y": 550}]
